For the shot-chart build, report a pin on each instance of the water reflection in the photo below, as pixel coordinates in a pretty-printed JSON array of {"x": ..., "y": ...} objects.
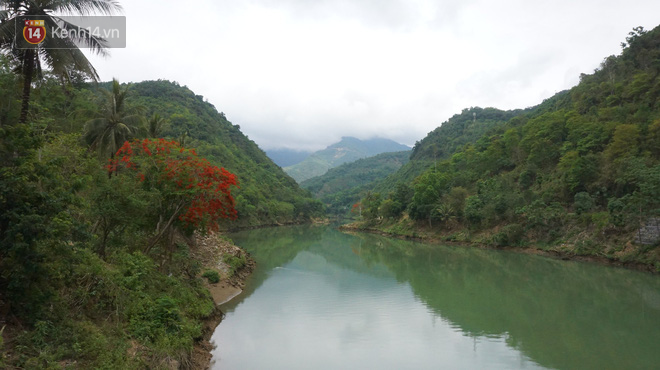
[{"x": 324, "y": 297}]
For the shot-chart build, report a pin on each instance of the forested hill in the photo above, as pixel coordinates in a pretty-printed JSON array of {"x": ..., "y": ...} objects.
[
  {"x": 342, "y": 186},
  {"x": 266, "y": 195},
  {"x": 347, "y": 150},
  {"x": 442, "y": 142},
  {"x": 580, "y": 173},
  {"x": 438, "y": 145}
]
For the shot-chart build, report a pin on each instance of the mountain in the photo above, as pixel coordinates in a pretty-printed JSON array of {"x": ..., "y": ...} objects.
[
  {"x": 438, "y": 145},
  {"x": 287, "y": 157},
  {"x": 266, "y": 195},
  {"x": 342, "y": 186},
  {"x": 578, "y": 174},
  {"x": 348, "y": 149},
  {"x": 441, "y": 143}
]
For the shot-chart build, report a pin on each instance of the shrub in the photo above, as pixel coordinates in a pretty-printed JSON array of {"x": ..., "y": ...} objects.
[
  {"x": 526, "y": 179},
  {"x": 235, "y": 263},
  {"x": 615, "y": 207},
  {"x": 583, "y": 203},
  {"x": 509, "y": 235},
  {"x": 600, "y": 220},
  {"x": 212, "y": 276},
  {"x": 474, "y": 210}
]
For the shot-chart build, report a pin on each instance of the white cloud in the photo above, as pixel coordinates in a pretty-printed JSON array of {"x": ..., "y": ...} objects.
[{"x": 302, "y": 74}]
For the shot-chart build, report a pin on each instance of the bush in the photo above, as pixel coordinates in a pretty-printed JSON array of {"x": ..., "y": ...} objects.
[
  {"x": 583, "y": 203},
  {"x": 235, "y": 263},
  {"x": 391, "y": 208},
  {"x": 526, "y": 179},
  {"x": 615, "y": 207},
  {"x": 509, "y": 235},
  {"x": 600, "y": 220},
  {"x": 212, "y": 276},
  {"x": 474, "y": 210}
]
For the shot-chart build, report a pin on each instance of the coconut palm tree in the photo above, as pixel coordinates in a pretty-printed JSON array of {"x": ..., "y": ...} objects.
[
  {"x": 60, "y": 55},
  {"x": 155, "y": 126},
  {"x": 117, "y": 124}
]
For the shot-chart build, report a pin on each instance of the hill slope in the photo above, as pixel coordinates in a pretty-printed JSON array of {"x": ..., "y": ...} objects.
[
  {"x": 347, "y": 150},
  {"x": 441, "y": 143},
  {"x": 266, "y": 194},
  {"x": 342, "y": 186},
  {"x": 579, "y": 174}
]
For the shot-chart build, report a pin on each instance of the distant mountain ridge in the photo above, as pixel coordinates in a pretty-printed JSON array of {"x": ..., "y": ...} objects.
[
  {"x": 349, "y": 149},
  {"x": 344, "y": 185},
  {"x": 287, "y": 157}
]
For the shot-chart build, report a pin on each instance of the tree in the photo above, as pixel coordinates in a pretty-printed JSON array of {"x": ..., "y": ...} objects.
[
  {"x": 370, "y": 205},
  {"x": 429, "y": 189},
  {"x": 155, "y": 126},
  {"x": 118, "y": 123},
  {"x": 194, "y": 193},
  {"x": 36, "y": 199},
  {"x": 390, "y": 208},
  {"x": 61, "y": 55},
  {"x": 583, "y": 202},
  {"x": 119, "y": 208},
  {"x": 620, "y": 151}
]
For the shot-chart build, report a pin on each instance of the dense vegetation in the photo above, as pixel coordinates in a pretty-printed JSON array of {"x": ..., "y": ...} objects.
[
  {"x": 347, "y": 150},
  {"x": 101, "y": 191},
  {"x": 342, "y": 186},
  {"x": 444, "y": 141},
  {"x": 579, "y": 174},
  {"x": 266, "y": 195}
]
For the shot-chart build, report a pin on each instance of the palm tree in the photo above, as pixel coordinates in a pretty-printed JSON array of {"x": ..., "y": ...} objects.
[
  {"x": 117, "y": 124},
  {"x": 60, "y": 55},
  {"x": 155, "y": 126}
]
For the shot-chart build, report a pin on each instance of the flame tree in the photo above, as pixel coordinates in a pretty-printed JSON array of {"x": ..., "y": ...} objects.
[{"x": 193, "y": 193}]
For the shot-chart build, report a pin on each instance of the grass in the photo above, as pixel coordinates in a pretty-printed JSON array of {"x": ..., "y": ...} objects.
[{"x": 235, "y": 263}]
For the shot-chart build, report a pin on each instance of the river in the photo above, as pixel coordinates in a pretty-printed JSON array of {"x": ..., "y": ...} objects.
[{"x": 323, "y": 299}]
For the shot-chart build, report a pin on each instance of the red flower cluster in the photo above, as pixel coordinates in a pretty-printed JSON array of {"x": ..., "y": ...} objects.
[{"x": 179, "y": 173}]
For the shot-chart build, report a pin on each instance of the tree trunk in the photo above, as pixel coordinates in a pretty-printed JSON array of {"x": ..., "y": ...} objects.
[
  {"x": 104, "y": 241},
  {"x": 165, "y": 228},
  {"x": 28, "y": 70}
]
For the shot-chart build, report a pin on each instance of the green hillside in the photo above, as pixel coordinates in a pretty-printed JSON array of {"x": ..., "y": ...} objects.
[
  {"x": 347, "y": 150},
  {"x": 578, "y": 174},
  {"x": 442, "y": 142},
  {"x": 266, "y": 195},
  {"x": 342, "y": 186}
]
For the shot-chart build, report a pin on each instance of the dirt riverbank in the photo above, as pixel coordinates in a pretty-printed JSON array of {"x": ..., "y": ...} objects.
[{"x": 212, "y": 251}]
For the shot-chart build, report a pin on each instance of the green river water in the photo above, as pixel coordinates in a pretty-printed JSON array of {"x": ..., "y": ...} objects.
[{"x": 322, "y": 299}]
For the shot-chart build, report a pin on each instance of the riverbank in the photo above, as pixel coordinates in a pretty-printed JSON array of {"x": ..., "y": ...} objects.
[
  {"x": 230, "y": 228},
  {"x": 127, "y": 312},
  {"x": 218, "y": 254},
  {"x": 614, "y": 252}
]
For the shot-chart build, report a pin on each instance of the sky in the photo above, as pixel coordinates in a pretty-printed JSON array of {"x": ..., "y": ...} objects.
[{"x": 301, "y": 74}]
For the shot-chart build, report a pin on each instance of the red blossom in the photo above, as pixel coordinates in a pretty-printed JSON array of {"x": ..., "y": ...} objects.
[{"x": 206, "y": 186}]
